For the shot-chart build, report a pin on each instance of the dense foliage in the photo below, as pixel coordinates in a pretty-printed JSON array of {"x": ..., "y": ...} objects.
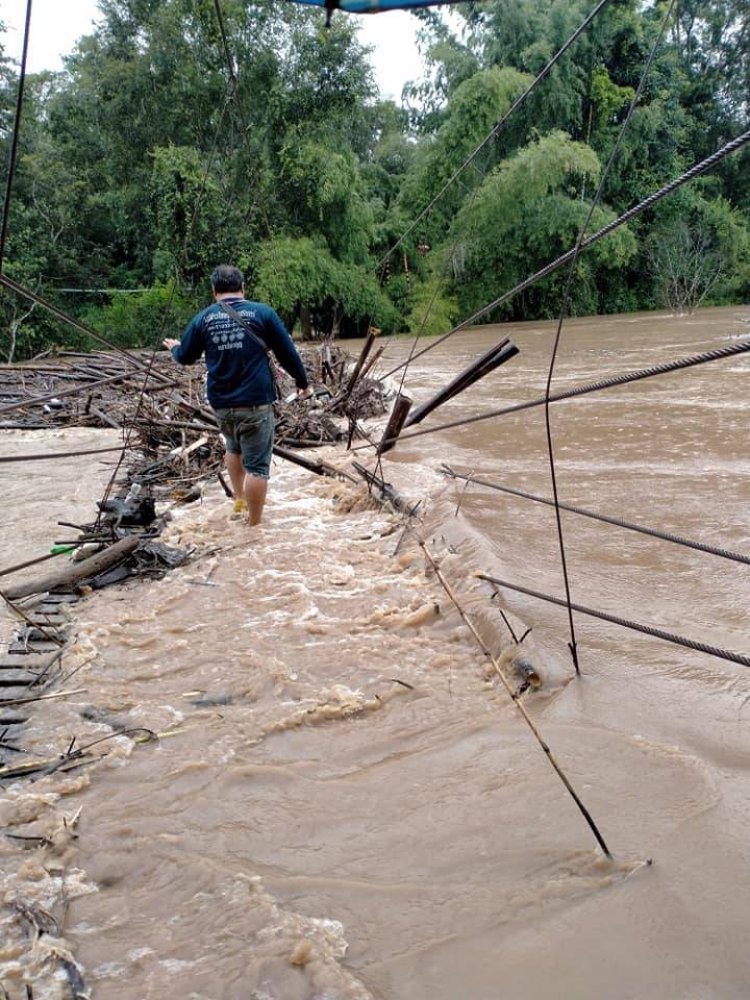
[{"x": 146, "y": 162}]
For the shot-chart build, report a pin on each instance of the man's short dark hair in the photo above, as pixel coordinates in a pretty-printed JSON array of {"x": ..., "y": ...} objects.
[{"x": 227, "y": 278}]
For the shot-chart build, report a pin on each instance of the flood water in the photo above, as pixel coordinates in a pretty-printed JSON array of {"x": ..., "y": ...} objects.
[{"x": 344, "y": 802}]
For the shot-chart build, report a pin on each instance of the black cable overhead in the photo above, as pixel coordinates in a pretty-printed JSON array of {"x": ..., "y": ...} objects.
[
  {"x": 16, "y": 134},
  {"x": 711, "y": 161},
  {"x": 237, "y": 98},
  {"x": 741, "y": 347},
  {"x": 470, "y": 160},
  {"x": 572, "y": 645},
  {"x": 496, "y": 129}
]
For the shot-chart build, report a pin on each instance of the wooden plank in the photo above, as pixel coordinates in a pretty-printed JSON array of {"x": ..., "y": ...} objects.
[
  {"x": 14, "y": 678},
  {"x": 23, "y": 647},
  {"x": 29, "y": 661},
  {"x": 49, "y": 619},
  {"x": 52, "y": 600},
  {"x": 18, "y": 693}
]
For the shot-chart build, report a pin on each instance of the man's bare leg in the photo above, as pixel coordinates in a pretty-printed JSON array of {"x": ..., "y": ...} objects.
[
  {"x": 255, "y": 497},
  {"x": 236, "y": 474}
]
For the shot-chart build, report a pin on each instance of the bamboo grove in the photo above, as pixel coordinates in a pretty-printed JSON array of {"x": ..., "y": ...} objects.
[{"x": 175, "y": 139}]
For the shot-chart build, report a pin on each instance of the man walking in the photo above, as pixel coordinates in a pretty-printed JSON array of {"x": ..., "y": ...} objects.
[{"x": 235, "y": 335}]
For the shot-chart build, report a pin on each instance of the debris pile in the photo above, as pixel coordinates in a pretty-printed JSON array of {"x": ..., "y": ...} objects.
[{"x": 170, "y": 436}]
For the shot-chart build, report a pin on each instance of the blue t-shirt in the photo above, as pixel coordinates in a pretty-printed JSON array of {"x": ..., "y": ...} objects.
[{"x": 238, "y": 371}]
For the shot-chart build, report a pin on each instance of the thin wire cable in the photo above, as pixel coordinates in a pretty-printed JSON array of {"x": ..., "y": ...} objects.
[
  {"x": 516, "y": 699},
  {"x": 60, "y": 314},
  {"x": 572, "y": 645},
  {"x": 711, "y": 161},
  {"x": 469, "y": 160},
  {"x": 494, "y": 132},
  {"x": 496, "y": 129},
  {"x": 617, "y": 522},
  {"x": 657, "y": 633},
  {"x": 718, "y": 354},
  {"x": 16, "y": 134},
  {"x": 234, "y": 80}
]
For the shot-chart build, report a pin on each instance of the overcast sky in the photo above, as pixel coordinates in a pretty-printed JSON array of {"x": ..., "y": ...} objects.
[{"x": 56, "y": 25}]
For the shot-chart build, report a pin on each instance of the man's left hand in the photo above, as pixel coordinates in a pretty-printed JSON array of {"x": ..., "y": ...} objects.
[
  {"x": 170, "y": 342},
  {"x": 304, "y": 393}
]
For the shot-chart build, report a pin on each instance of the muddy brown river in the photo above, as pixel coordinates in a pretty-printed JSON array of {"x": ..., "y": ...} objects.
[{"x": 344, "y": 803}]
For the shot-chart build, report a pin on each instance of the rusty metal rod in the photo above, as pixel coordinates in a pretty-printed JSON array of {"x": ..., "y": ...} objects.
[{"x": 516, "y": 701}]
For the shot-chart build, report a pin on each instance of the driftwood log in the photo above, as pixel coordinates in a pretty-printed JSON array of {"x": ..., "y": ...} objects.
[{"x": 75, "y": 572}]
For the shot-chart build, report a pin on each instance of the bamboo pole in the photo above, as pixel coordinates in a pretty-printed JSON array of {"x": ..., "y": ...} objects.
[
  {"x": 29, "y": 562},
  {"x": 366, "y": 348},
  {"x": 480, "y": 367},
  {"x": 399, "y": 413},
  {"x": 516, "y": 700}
]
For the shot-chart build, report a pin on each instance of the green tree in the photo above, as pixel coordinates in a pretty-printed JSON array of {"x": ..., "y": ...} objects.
[
  {"x": 528, "y": 212},
  {"x": 301, "y": 274},
  {"x": 698, "y": 251}
]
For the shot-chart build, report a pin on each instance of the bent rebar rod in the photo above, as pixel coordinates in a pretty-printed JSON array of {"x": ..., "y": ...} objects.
[{"x": 516, "y": 700}]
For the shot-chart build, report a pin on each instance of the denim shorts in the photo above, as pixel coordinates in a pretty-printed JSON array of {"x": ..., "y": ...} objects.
[{"x": 248, "y": 431}]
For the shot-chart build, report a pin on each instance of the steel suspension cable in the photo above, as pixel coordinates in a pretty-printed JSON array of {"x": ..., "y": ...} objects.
[
  {"x": 657, "y": 633},
  {"x": 617, "y": 522},
  {"x": 699, "y": 168},
  {"x": 470, "y": 160},
  {"x": 718, "y": 354},
  {"x": 497, "y": 128},
  {"x": 16, "y": 134}
]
